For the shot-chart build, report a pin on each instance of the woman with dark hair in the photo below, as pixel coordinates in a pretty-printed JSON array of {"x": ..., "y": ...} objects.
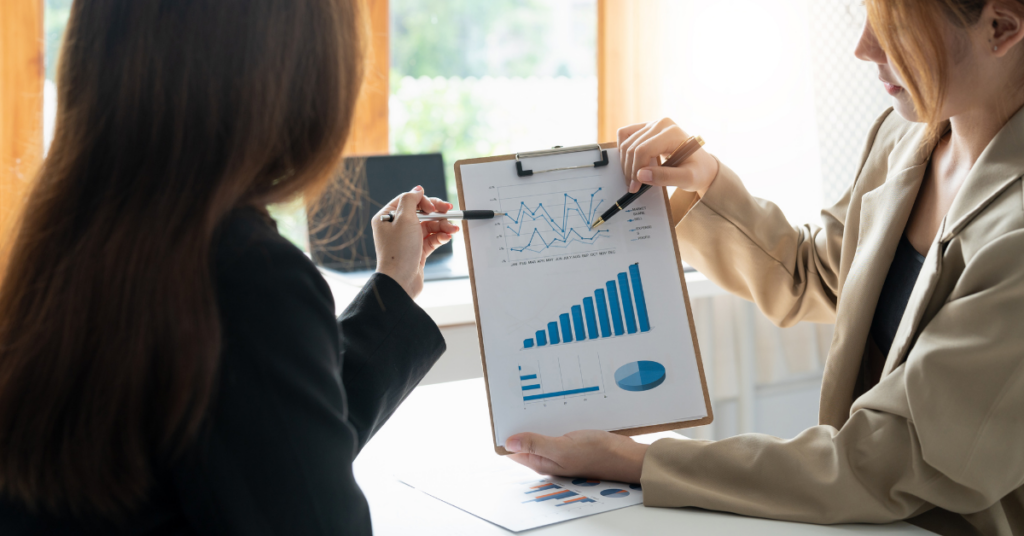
[
  {"x": 921, "y": 268},
  {"x": 169, "y": 364}
]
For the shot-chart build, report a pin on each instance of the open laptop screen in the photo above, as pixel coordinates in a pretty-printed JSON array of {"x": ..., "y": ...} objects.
[{"x": 340, "y": 237}]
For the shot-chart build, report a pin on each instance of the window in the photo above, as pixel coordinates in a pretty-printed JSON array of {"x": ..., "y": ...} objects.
[
  {"x": 472, "y": 79},
  {"x": 55, "y": 18}
]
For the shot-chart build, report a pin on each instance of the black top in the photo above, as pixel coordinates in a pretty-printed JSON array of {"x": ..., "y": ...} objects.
[
  {"x": 899, "y": 282},
  {"x": 300, "y": 393}
]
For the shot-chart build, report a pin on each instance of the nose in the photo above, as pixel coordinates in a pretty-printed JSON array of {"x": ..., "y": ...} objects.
[{"x": 868, "y": 48}]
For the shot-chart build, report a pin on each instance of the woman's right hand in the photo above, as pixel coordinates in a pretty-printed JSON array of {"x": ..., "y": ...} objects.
[
  {"x": 404, "y": 244},
  {"x": 641, "y": 147}
]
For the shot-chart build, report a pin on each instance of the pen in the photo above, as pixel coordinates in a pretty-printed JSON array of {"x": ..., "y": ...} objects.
[
  {"x": 684, "y": 151},
  {"x": 450, "y": 215}
]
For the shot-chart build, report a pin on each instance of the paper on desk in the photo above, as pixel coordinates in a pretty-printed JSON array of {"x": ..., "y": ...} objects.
[
  {"x": 518, "y": 499},
  {"x": 514, "y": 497}
]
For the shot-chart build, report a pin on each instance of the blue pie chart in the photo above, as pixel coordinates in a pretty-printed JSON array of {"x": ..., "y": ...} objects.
[
  {"x": 640, "y": 375},
  {"x": 615, "y": 493}
]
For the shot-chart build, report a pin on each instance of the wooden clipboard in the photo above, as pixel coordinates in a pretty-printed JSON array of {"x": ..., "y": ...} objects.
[{"x": 686, "y": 298}]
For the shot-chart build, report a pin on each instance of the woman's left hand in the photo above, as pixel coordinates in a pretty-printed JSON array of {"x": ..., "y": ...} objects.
[{"x": 586, "y": 453}]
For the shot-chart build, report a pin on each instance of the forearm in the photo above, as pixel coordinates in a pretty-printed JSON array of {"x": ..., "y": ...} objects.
[
  {"x": 388, "y": 344},
  {"x": 748, "y": 247}
]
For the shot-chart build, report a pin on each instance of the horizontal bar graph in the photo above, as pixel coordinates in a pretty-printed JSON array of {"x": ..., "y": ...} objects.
[
  {"x": 566, "y": 376},
  {"x": 620, "y": 308},
  {"x": 579, "y": 500},
  {"x": 563, "y": 494},
  {"x": 562, "y": 393},
  {"x": 543, "y": 487}
]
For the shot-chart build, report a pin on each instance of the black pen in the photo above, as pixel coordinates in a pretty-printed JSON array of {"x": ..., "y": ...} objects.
[
  {"x": 450, "y": 215},
  {"x": 684, "y": 151}
]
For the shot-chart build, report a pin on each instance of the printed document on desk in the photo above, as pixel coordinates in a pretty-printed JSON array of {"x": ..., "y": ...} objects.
[
  {"x": 518, "y": 499},
  {"x": 581, "y": 328}
]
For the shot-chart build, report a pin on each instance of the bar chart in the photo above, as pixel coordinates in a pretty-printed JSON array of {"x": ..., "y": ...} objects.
[
  {"x": 554, "y": 492},
  {"x": 567, "y": 376},
  {"x": 618, "y": 308}
]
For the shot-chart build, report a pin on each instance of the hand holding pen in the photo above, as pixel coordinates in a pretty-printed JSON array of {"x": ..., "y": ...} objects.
[
  {"x": 687, "y": 148},
  {"x": 641, "y": 147}
]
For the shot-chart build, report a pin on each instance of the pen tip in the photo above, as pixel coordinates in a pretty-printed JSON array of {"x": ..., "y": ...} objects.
[{"x": 597, "y": 223}]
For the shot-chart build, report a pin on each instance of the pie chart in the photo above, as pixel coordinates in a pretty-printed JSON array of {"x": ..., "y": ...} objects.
[
  {"x": 640, "y": 375},
  {"x": 615, "y": 493}
]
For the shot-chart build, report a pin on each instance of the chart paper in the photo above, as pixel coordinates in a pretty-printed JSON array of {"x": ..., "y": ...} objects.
[{"x": 581, "y": 328}]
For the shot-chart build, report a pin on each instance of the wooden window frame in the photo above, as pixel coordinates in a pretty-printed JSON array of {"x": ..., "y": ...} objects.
[{"x": 22, "y": 74}]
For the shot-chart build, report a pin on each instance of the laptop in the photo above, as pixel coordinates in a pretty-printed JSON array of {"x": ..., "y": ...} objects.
[{"x": 340, "y": 236}]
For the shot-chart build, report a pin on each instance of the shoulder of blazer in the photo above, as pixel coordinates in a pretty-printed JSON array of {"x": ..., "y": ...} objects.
[{"x": 889, "y": 128}]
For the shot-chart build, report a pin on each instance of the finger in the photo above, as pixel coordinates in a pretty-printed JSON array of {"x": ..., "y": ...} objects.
[
  {"x": 542, "y": 445},
  {"x": 630, "y": 148},
  {"x": 408, "y": 203},
  {"x": 642, "y": 149},
  {"x": 434, "y": 241},
  {"x": 680, "y": 177},
  {"x": 440, "y": 205},
  {"x": 425, "y": 204},
  {"x": 539, "y": 464},
  {"x": 440, "y": 226},
  {"x": 654, "y": 146},
  {"x": 627, "y": 131}
]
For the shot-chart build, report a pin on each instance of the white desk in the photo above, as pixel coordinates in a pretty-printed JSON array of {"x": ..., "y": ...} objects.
[{"x": 447, "y": 426}]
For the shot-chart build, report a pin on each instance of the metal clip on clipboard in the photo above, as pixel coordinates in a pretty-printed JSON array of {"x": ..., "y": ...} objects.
[{"x": 557, "y": 150}]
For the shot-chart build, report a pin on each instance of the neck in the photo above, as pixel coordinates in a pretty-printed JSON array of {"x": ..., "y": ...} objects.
[{"x": 972, "y": 130}]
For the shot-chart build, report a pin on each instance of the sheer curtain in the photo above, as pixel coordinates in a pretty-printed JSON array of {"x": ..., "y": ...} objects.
[{"x": 774, "y": 88}]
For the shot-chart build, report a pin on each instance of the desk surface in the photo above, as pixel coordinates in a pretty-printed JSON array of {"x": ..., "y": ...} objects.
[{"x": 423, "y": 433}]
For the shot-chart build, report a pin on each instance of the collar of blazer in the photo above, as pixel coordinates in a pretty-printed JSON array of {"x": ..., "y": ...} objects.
[
  {"x": 887, "y": 208},
  {"x": 1000, "y": 165}
]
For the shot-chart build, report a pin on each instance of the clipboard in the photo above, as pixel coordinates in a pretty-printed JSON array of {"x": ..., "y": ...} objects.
[{"x": 526, "y": 171}]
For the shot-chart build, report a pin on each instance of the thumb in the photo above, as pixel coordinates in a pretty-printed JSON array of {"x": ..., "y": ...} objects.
[
  {"x": 681, "y": 177},
  {"x": 531, "y": 443}
]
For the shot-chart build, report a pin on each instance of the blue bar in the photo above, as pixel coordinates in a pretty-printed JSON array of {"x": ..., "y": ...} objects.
[
  {"x": 579, "y": 501},
  {"x": 588, "y": 308},
  {"x": 562, "y": 393},
  {"x": 613, "y": 302},
  {"x": 627, "y": 303},
  {"x": 549, "y": 486},
  {"x": 562, "y": 495},
  {"x": 531, "y": 387},
  {"x": 638, "y": 294},
  {"x": 566, "y": 328},
  {"x": 553, "y": 332},
  {"x": 528, "y": 376},
  {"x": 542, "y": 338},
  {"x": 602, "y": 313},
  {"x": 527, "y": 343},
  {"x": 577, "y": 322}
]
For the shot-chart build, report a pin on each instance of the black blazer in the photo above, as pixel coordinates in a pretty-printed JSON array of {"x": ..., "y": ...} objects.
[{"x": 300, "y": 393}]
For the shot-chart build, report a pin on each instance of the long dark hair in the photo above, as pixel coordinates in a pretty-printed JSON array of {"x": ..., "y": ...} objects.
[{"x": 171, "y": 114}]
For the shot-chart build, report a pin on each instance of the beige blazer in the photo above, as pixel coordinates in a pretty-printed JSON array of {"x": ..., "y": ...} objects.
[{"x": 941, "y": 438}]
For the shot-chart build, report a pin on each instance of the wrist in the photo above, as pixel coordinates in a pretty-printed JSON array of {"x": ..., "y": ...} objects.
[
  {"x": 712, "y": 171},
  {"x": 396, "y": 274},
  {"x": 634, "y": 458}
]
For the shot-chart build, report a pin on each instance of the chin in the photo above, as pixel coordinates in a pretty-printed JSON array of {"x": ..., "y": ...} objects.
[{"x": 905, "y": 107}]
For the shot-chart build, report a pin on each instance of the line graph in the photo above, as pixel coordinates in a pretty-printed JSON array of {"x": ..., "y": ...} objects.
[{"x": 552, "y": 217}]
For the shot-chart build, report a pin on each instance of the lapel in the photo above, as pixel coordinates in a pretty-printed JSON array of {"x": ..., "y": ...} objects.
[
  {"x": 883, "y": 216},
  {"x": 1000, "y": 164}
]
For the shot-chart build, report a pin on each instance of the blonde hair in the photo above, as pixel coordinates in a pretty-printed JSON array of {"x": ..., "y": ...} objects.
[{"x": 911, "y": 34}]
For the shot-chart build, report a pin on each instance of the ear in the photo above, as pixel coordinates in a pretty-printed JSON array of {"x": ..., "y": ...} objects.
[{"x": 1006, "y": 25}]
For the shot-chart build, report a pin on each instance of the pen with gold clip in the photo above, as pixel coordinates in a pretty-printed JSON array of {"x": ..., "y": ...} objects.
[{"x": 684, "y": 151}]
